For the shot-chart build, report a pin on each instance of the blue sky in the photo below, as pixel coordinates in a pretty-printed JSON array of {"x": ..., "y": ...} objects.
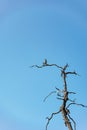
[{"x": 29, "y": 32}]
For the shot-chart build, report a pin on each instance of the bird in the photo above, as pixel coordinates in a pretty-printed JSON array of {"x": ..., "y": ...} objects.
[{"x": 45, "y": 62}]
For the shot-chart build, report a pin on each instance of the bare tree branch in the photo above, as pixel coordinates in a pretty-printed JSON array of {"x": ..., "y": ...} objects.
[
  {"x": 62, "y": 95},
  {"x": 71, "y": 73},
  {"x": 73, "y": 103},
  {"x": 72, "y": 121},
  {"x": 60, "y": 98},
  {"x": 45, "y": 65},
  {"x": 65, "y": 67},
  {"x": 72, "y": 100},
  {"x": 59, "y": 90},
  {"x": 71, "y": 92},
  {"x": 49, "y": 95},
  {"x": 59, "y": 95},
  {"x": 37, "y": 66},
  {"x": 49, "y": 118}
]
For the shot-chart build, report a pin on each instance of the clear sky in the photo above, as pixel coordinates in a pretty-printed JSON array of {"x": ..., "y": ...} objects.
[{"x": 31, "y": 30}]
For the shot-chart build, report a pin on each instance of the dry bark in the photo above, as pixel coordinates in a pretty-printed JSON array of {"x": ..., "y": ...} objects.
[{"x": 62, "y": 95}]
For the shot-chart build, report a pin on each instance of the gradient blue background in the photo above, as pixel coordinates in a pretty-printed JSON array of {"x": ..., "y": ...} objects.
[{"x": 29, "y": 32}]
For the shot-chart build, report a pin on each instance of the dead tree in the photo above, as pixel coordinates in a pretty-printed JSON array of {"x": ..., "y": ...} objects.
[{"x": 62, "y": 95}]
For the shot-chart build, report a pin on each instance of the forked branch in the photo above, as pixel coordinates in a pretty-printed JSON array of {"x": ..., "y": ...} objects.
[
  {"x": 49, "y": 118},
  {"x": 62, "y": 95}
]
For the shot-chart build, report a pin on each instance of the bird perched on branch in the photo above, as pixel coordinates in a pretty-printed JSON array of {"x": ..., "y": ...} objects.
[{"x": 45, "y": 62}]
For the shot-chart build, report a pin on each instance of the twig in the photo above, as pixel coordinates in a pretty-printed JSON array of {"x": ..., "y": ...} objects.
[
  {"x": 65, "y": 67},
  {"x": 49, "y": 95},
  {"x": 62, "y": 95},
  {"x": 45, "y": 65},
  {"x": 59, "y": 90},
  {"x": 72, "y": 73},
  {"x": 72, "y": 121},
  {"x": 49, "y": 118},
  {"x": 37, "y": 66},
  {"x": 71, "y": 92},
  {"x": 73, "y": 103},
  {"x": 60, "y": 98}
]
